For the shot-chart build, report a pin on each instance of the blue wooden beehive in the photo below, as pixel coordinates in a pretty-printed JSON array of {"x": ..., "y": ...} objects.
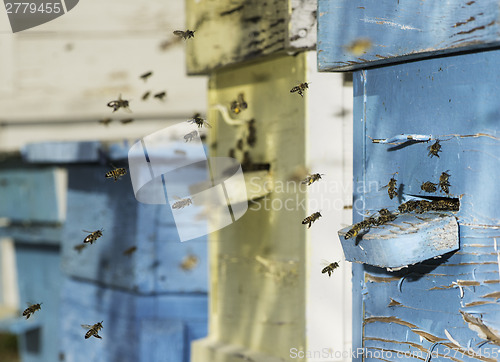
[
  {"x": 453, "y": 99},
  {"x": 157, "y": 293}
]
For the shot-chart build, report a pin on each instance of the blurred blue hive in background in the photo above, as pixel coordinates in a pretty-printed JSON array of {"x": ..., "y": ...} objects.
[{"x": 152, "y": 301}]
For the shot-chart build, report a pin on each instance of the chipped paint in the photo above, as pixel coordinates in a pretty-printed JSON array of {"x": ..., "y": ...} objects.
[{"x": 390, "y": 23}]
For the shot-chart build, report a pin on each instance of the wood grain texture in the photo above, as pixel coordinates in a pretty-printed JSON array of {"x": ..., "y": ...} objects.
[
  {"x": 231, "y": 32},
  {"x": 402, "y": 30},
  {"x": 454, "y": 100}
]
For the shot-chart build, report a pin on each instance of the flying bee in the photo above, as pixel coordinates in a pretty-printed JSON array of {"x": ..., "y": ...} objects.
[
  {"x": 443, "y": 182},
  {"x": 146, "y": 75},
  {"x": 126, "y": 120},
  {"x": 434, "y": 149},
  {"x": 312, "y": 178},
  {"x": 145, "y": 96},
  {"x": 359, "y": 46},
  {"x": 93, "y": 236},
  {"x": 116, "y": 173},
  {"x": 79, "y": 247},
  {"x": 105, "y": 121},
  {"x": 391, "y": 187},
  {"x": 300, "y": 89},
  {"x": 189, "y": 262},
  {"x": 93, "y": 330},
  {"x": 120, "y": 103},
  {"x": 239, "y": 144},
  {"x": 200, "y": 122},
  {"x": 184, "y": 34},
  {"x": 428, "y": 186},
  {"x": 310, "y": 219},
  {"x": 239, "y": 105},
  {"x": 31, "y": 309},
  {"x": 189, "y": 137},
  {"x": 130, "y": 250},
  {"x": 182, "y": 203},
  {"x": 330, "y": 268},
  {"x": 160, "y": 95}
]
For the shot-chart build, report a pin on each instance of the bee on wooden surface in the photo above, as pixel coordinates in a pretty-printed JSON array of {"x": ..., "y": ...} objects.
[
  {"x": 79, "y": 247},
  {"x": 446, "y": 205},
  {"x": 312, "y": 178},
  {"x": 120, "y": 103},
  {"x": 385, "y": 217},
  {"x": 200, "y": 122},
  {"x": 184, "y": 34},
  {"x": 116, "y": 173},
  {"x": 300, "y": 89},
  {"x": 419, "y": 206},
  {"x": 189, "y": 262},
  {"x": 93, "y": 330},
  {"x": 356, "y": 228},
  {"x": 182, "y": 203},
  {"x": 443, "y": 182},
  {"x": 126, "y": 120},
  {"x": 146, "y": 95},
  {"x": 93, "y": 236},
  {"x": 146, "y": 75},
  {"x": 359, "y": 46},
  {"x": 31, "y": 309},
  {"x": 330, "y": 268},
  {"x": 160, "y": 95},
  {"x": 434, "y": 149},
  {"x": 239, "y": 105},
  {"x": 189, "y": 137},
  {"x": 310, "y": 219},
  {"x": 130, "y": 250},
  {"x": 105, "y": 121},
  {"x": 391, "y": 187},
  {"x": 428, "y": 186}
]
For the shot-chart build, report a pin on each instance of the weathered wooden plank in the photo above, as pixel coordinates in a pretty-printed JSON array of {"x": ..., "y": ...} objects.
[
  {"x": 401, "y": 30},
  {"x": 402, "y": 242},
  {"x": 230, "y": 32}
]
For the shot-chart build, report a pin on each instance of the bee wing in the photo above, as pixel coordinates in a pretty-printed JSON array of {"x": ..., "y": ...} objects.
[
  {"x": 127, "y": 109},
  {"x": 324, "y": 262},
  {"x": 86, "y": 326},
  {"x": 206, "y": 124},
  {"x": 177, "y": 198},
  {"x": 178, "y": 32},
  {"x": 86, "y": 231}
]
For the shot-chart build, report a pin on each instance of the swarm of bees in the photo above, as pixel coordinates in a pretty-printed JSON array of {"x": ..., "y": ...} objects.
[
  {"x": 385, "y": 217},
  {"x": 330, "y": 268},
  {"x": 200, "y": 122},
  {"x": 181, "y": 203},
  {"x": 116, "y": 173},
  {"x": 93, "y": 236},
  {"x": 428, "y": 186},
  {"x": 310, "y": 219},
  {"x": 312, "y": 178},
  {"x": 239, "y": 105},
  {"x": 31, "y": 309},
  {"x": 120, "y": 103},
  {"x": 434, "y": 149},
  {"x": 391, "y": 187},
  {"x": 93, "y": 330},
  {"x": 300, "y": 89},
  {"x": 444, "y": 184},
  {"x": 184, "y": 34},
  {"x": 421, "y": 206}
]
